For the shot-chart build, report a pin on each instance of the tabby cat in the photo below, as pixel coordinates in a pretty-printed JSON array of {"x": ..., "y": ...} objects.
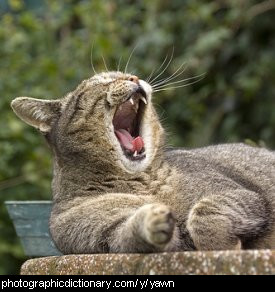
[{"x": 118, "y": 189}]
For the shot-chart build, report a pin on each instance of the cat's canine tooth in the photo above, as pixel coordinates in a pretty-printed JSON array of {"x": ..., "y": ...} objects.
[
  {"x": 135, "y": 154},
  {"x": 144, "y": 99},
  {"x": 131, "y": 101}
]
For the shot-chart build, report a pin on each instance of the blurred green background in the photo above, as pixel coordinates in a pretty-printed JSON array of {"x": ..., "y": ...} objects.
[{"x": 45, "y": 49}]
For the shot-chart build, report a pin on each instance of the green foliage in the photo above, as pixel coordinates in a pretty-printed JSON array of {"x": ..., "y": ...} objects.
[{"x": 45, "y": 52}]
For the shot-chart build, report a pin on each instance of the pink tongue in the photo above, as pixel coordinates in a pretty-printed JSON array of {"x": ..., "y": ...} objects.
[{"x": 127, "y": 141}]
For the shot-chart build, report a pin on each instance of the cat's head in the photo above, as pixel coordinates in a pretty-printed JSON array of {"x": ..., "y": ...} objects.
[{"x": 108, "y": 120}]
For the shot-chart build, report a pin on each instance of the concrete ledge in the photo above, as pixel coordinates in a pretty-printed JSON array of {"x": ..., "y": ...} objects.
[{"x": 250, "y": 262}]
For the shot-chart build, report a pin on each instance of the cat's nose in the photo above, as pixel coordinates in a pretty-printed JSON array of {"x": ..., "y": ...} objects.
[{"x": 133, "y": 78}]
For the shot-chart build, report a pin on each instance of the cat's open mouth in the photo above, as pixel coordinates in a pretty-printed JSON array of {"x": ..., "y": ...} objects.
[{"x": 127, "y": 124}]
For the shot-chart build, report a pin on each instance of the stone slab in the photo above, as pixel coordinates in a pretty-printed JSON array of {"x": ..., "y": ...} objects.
[{"x": 248, "y": 262}]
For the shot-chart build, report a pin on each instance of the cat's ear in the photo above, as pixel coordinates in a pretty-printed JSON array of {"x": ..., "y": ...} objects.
[{"x": 38, "y": 113}]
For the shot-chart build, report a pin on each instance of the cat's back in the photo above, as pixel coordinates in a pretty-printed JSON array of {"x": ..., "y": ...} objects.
[{"x": 242, "y": 163}]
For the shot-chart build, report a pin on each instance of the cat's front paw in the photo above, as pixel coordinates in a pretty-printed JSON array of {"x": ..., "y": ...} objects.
[{"x": 159, "y": 224}]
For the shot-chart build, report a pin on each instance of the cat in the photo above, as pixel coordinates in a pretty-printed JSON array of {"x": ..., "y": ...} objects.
[{"x": 118, "y": 189}]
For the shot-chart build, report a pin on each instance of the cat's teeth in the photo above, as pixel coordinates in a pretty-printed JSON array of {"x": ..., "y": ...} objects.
[
  {"x": 144, "y": 99},
  {"x": 135, "y": 154},
  {"x": 131, "y": 101}
]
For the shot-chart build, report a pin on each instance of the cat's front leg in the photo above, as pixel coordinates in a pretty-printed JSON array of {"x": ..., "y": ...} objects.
[
  {"x": 224, "y": 222},
  {"x": 151, "y": 228},
  {"x": 114, "y": 223}
]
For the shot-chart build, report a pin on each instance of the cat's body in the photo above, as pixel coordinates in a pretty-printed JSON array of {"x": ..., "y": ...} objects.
[{"x": 116, "y": 188}]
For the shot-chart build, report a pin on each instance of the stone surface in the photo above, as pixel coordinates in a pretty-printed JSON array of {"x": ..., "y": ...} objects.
[{"x": 248, "y": 262}]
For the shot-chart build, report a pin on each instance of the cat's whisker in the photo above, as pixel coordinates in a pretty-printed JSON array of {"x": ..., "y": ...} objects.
[
  {"x": 171, "y": 58},
  {"x": 198, "y": 77},
  {"x": 166, "y": 79},
  {"x": 92, "y": 59},
  {"x": 104, "y": 63},
  {"x": 154, "y": 70},
  {"x": 173, "y": 87},
  {"x": 128, "y": 61},
  {"x": 173, "y": 76},
  {"x": 119, "y": 61}
]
